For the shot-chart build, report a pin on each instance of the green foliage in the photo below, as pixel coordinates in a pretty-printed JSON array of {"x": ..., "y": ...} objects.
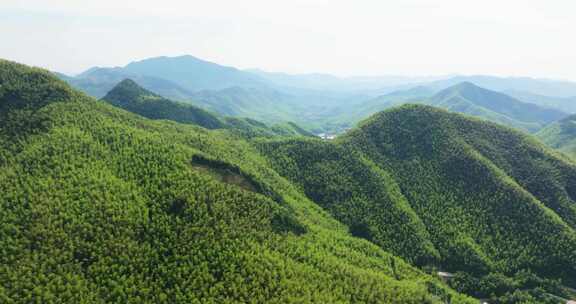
[
  {"x": 131, "y": 97},
  {"x": 470, "y": 99},
  {"x": 98, "y": 205},
  {"x": 483, "y": 199},
  {"x": 561, "y": 135}
]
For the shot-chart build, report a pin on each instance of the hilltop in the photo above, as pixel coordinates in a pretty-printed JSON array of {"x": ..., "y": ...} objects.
[
  {"x": 471, "y": 99},
  {"x": 445, "y": 190}
]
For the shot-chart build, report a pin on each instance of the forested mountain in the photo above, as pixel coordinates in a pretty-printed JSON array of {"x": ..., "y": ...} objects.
[
  {"x": 350, "y": 115},
  {"x": 265, "y": 104},
  {"x": 326, "y": 103},
  {"x": 131, "y": 97},
  {"x": 99, "y": 205},
  {"x": 471, "y": 99},
  {"x": 561, "y": 135},
  {"x": 466, "y": 98},
  {"x": 99, "y": 81},
  {"x": 437, "y": 188}
]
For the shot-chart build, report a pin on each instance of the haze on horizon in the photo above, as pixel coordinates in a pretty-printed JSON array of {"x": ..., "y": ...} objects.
[{"x": 363, "y": 37}]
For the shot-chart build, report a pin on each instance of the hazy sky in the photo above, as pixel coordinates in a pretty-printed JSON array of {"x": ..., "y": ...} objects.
[{"x": 354, "y": 37}]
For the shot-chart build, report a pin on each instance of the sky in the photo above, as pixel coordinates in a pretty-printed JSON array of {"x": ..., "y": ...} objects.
[{"x": 532, "y": 38}]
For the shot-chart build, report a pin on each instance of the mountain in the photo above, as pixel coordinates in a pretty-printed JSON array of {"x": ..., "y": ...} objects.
[
  {"x": 100, "y": 205},
  {"x": 352, "y": 115},
  {"x": 465, "y": 97},
  {"x": 564, "y": 104},
  {"x": 131, "y": 97},
  {"x": 174, "y": 77},
  {"x": 194, "y": 74},
  {"x": 473, "y": 198},
  {"x": 545, "y": 87},
  {"x": 561, "y": 135},
  {"x": 471, "y": 99},
  {"x": 99, "y": 81},
  {"x": 264, "y": 104}
]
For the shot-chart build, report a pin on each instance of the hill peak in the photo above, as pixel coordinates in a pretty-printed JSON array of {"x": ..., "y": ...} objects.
[
  {"x": 193, "y": 73},
  {"x": 128, "y": 89},
  {"x": 467, "y": 85},
  {"x": 27, "y": 87}
]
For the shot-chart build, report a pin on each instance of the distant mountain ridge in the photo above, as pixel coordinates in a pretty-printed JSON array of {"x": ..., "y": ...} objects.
[
  {"x": 129, "y": 96},
  {"x": 194, "y": 74},
  {"x": 546, "y": 87},
  {"x": 466, "y": 98},
  {"x": 322, "y": 102},
  {"x": 97, "y": 82},
  {"x": 471, "y": 99},
  {"x": 561, "y": 135}
]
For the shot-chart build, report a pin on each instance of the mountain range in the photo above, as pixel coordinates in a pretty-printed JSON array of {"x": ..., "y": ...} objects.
[
  {"x": 325, "y": 103},
  {"x": 138, "y": 198},
  {"x": 130, "y": 96}
]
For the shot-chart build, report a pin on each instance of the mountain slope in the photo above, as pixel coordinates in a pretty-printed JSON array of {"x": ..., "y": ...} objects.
[
  {"x": 131, "y": 97},
  {"x": 99, "y": 205},
  {"x": 438, "y": 188},
  {"x": 470, "y": 99},
  {"x": 363, "y": 110},
  {"x": 561, "y": 135},
  {"x": 261, "y": 104}
]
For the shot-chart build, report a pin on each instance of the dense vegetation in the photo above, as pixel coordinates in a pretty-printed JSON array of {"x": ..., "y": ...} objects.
[
  {"x": 130, "y": 96},
  {"x": 101, "y": 205},
  {"x": 448, "y": 192},
  {"x": 98, "y": 204},
  {"x": 466, "y": 98},
  {"x": 561, "y": 135}
]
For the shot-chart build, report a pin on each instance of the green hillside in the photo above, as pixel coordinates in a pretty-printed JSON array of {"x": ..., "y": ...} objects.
[
  {"x": 98, "y": 205},
  {"x": 261, "y": 104},
  {"x": 470, "y": 99},
  {"x": 449, "y": 192},
  {"x": 351, "y": 115},
  {"x": 466, "y": 98},
  {"x": 131, "y": 97},
  {"x": 561, "y": 135}
]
